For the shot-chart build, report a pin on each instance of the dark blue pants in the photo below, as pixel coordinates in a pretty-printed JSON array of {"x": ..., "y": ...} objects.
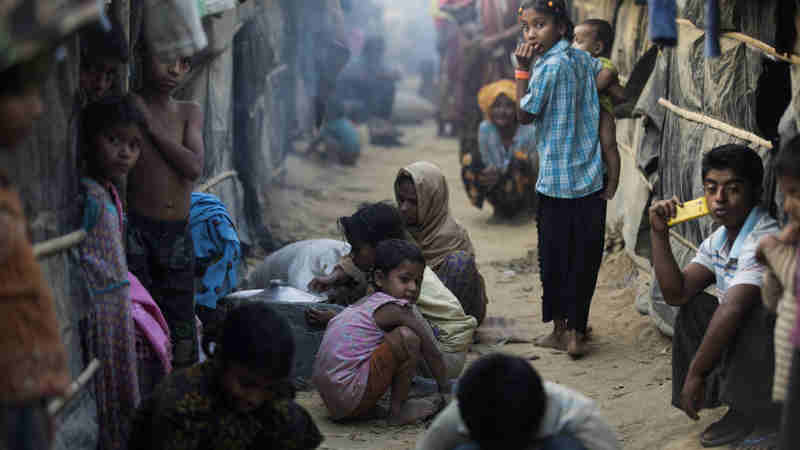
[{"x": 571, "y": 238}]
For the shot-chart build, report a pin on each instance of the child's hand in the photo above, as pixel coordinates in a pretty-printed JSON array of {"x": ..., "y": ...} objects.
[
  {"x": 319, "y": 317},
  {"x": 790, "y": 234},
  {"x": 525, "y": 54},
  {"x": 661, "y": 212},
  {"x": 610, "y": 190}
]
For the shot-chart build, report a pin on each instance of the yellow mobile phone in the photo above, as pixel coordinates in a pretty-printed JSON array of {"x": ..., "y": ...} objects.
[{"x": 689, "y": 211}]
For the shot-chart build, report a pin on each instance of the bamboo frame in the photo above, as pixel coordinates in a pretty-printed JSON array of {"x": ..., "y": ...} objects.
[
  {"x": 752, "y": 42},
  {"x": 216, "y": 180},
  {"x": 54, "y": 246},
  {"x": 630, "y": 152},
  {"x": 56, "y": 405},
  {"x": 716, "y": 124}
]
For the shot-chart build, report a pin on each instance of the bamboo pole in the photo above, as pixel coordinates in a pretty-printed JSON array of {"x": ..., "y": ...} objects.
[
  {"x": 630, "y": 152},
  {"x": 716, "y": 124},
  {"x": 216, "y": 180},
  {"x": 56, "y": 405},
  {"x": 752, "y": 42},
  {"x": 121, "y": 9},
  {"x": 682, "y": 240},
  {"x": 56, "y": 245}
]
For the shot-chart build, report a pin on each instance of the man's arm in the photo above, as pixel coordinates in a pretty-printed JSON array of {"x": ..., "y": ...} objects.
[
  {"x": 724, "y": 324},
  {"x": 605, "y": 79},
  {"x": 391, "y": 316},
  {"x": 676, "y": 285},
  {"x": 525, "y": 53},
  {"x": 186, "y": 157}
]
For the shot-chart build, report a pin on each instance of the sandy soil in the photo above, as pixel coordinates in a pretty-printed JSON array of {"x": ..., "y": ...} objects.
[{"x": 628, "y": 371}]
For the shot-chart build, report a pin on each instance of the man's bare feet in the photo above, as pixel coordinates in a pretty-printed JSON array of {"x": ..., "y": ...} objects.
[
  {"x": 415, "y": 409},
  {"x": 553, "y": 340},
  {"x": 576, "y": 344}
]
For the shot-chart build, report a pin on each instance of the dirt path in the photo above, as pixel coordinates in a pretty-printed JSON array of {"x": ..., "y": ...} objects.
[{"x": 628, "y": 370}]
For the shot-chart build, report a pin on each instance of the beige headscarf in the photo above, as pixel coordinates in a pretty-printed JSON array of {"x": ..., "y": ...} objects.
[{"x": 437, "y": 233}]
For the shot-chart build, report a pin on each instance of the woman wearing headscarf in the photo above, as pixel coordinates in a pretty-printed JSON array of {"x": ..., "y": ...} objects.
[
  {"x": 504, "y": 169},
  {"x": 424, "y": 200}
]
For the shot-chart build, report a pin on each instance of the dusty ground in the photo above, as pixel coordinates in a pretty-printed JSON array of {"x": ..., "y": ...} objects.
[{"x": 628, "y": 370}]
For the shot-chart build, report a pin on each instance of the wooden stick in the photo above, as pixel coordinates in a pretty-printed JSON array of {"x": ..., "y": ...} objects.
[
  {"x": 686, "y": 243},
  {"x": 752, "y": 42},
  {"x": 216, "y": 180},
  {"x": 56, "y": 245},
  {"x": 55, "y": 406},
  {"x": 716, "y": 124}
]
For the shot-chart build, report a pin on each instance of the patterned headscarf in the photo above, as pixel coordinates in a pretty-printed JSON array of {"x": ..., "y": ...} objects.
[{"x": 489, "y": 93}]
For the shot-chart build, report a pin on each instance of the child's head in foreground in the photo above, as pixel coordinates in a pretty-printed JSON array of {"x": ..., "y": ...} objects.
[
  {"x": 787, "y": 169},
  {"x": 21, "y": 98},
  {"x": 113, "y": 134},
  {"x": 371, "y": 224},
  {"x": 595, "y": 37},
  {"x": 502, "y": 401},
  {"x": 256, "y": 355},
  {"x": 102, "y": 55},
  {"x": 544, "y": 23},
  {"x": 399, "y": 267}
]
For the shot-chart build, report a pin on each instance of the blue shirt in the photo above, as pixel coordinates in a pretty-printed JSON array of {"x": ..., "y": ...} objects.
[
  {"x": 494, "y": 153},
  {"x": 562, "y": 95}
]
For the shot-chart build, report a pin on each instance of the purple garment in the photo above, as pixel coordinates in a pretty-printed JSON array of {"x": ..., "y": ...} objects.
[{"x": 341, "y": 370}]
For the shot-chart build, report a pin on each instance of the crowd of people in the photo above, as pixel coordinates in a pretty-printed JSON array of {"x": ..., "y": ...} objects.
[{"x": 406, "y": 276}]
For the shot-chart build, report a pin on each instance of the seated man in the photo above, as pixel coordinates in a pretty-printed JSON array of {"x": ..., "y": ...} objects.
[
  {"x": 722, "y": 348},
  {"x": 502, "y": 403},
  {"x": 240, "y": 399}
]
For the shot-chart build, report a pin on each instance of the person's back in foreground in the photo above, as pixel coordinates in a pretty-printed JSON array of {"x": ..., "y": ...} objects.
[
  {"x": 722, "y": 350},
  {"x": 159, "y": 244},
  {"x": 241, "y": 399},
  {"x": 502, "y": 403}
]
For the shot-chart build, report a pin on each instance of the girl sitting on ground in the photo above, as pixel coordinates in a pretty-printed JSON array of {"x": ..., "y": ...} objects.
[
  {"x": 348, "y": 283},
  {"x": 112, "y": 137},
  {"x": 377, "y": 343},
  {"x": 505, "y": 170},
  {"x": 423, "y": 198}
]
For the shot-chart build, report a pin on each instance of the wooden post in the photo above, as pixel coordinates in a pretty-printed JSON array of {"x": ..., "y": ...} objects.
[{"x": 121, "y": 10}]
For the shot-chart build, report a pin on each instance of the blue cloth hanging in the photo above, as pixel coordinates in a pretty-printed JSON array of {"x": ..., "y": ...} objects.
[
  {"x": 663, "y": 28},
  {"x": 712, "y": 29},
  {"x": 216, "y": 245}
]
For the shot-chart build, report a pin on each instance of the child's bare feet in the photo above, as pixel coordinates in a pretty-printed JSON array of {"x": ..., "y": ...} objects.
[
  {"x": 576, "y": 345},
  {"x": 414, "y": 410}
]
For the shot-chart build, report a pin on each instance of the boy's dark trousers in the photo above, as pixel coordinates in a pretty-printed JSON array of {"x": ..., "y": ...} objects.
[
  {"x": 161, "y": 255},
  {"x": 790, "y": 424},
  {"x": 571, "y": 239}
]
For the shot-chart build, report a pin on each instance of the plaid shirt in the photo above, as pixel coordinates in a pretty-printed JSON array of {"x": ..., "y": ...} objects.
[{"x": 562, "y": 94}]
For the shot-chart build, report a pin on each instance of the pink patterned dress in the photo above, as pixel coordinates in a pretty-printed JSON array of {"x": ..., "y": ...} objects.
[
  {"x": 341, "y": 370},
  {"x": 108, "y": 329}
]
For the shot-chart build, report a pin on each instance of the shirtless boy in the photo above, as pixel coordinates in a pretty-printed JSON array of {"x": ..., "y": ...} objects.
[{"x": 159, "y": 246}]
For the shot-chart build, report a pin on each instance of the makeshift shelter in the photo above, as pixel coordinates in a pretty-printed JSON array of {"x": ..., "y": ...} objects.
[{"x": 690, "y": 105}]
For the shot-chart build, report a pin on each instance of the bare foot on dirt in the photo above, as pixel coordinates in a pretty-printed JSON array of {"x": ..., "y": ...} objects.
[
  {"x": 553, "y": 340},
  {"x": 414, "y": 410},
  {"x": 576, "y": 345}
]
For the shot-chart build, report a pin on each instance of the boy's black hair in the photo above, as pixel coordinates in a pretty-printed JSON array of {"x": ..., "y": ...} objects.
[
  {"x": 98, "y": 45},
  {"x": 604, "y": 33},
  {"x": 19, "y": 78},
  {"x": 392, "y": 252},
  {"x": 787, "y": 163},
  {"x": 373, "y": 223},
  {"x": 502, "y": 401},
  {"x": 258, "y": 338},
  {"x": 742, "y": 160},
  {"x": 108, "y": 112},
  {"x": 555, "y": 8}
]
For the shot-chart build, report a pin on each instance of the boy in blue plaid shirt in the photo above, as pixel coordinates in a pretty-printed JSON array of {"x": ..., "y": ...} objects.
[{"x": 557, "y": 87}]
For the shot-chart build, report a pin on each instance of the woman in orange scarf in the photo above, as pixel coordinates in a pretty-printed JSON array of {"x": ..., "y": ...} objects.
[{"x": 505, "y": 168}]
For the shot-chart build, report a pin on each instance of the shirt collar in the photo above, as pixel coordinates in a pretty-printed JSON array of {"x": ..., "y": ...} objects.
[
  {"x": 752, "y": 219},
  {"x": 559, "y": 47}
]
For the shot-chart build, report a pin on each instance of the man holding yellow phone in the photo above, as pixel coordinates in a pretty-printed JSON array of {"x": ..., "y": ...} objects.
[{"x": 722, "y": 348}]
